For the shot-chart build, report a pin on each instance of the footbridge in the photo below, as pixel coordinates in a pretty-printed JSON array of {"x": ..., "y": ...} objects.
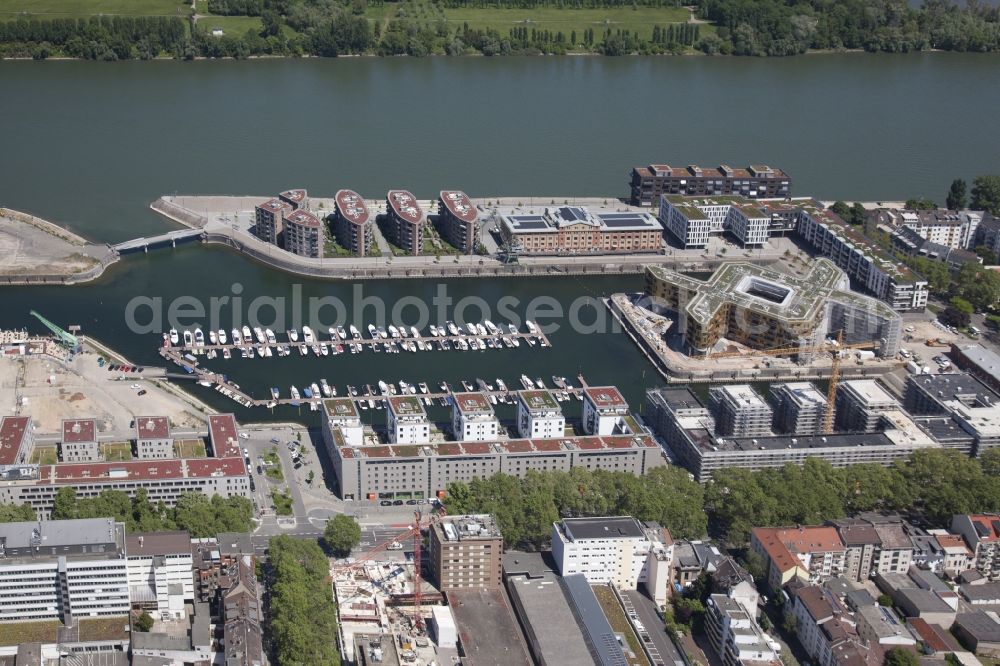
[{"x": 171, "y": 238}]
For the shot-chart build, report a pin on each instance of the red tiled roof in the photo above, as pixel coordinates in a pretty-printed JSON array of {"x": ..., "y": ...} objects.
[
  {"x": 935, "y": 637},
  {"x": 202, "y": 467},
  {"x": 352, "y": 207},
  {"x": 152, "y": 427},
  {"x": 405, "y": 206},
  {"x": 223, "y": 435},
  {"x": 547, "y": 444},
  {"x": 302, "y": 218},
  {"x": 275, "y": 206},
  {"x": 987, "y": 533},
  {"x": 12, "y": 432},
  {"x": 294, "y": 195},
  {"x": 79, "y": 430},
  {"x": 605, "y": 397},
  {"x": 459, "y": 205}
]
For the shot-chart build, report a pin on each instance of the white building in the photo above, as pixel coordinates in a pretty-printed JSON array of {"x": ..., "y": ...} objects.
[
  {"x": 539, "y": 416},
  {"x": 160, "y": 575},
  {"x": 735, "y": 635},
  {"x": 604, "y": 411},
  {"x": 693, "y": 220},
  {"x": 407, "y": 420},
  {"x": 342, "y": 414},
  {"x": 740, "y": 411},
  {"x": 954, "y": 229},
  {"x": 473, "y": 419},
  {"x": 619, "y": 550},
  {"x": 58, "y": 569}
]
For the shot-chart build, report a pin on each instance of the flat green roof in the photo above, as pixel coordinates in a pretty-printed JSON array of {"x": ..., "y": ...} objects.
[
  {"x": 340, "y": 407},
  {"x": 538, "y": 400},
  {"x": 406, "y": 405}
]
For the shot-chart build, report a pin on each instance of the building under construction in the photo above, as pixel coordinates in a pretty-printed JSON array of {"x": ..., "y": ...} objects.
[{"x": 766, "y": 309}]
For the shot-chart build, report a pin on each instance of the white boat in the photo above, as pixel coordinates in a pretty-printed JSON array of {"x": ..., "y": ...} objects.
[
  {"x": 237, "y": 337},
  {"x": 420, "y": 345},
  {"x": 250, "y": 352},
  {"x": 452, "y": 328},
  {"x": 491, "y": 327},
  {"x": 501, "y": 385},
  {"x": 393, "y": 331},
  {"x": 382, "y": 333},
  {"x": 403, "y": 332},
  {"x": 516, "y": 341},
  {"x": 303, "y": 350},
  {"x": 434, "y": 330},
  {"x": 199, "y": 337},
  {"x": 527, "y": 383},
  {"x": 540, "y": 383},
  {"x": 383, "y": 387},
  {"x": 315, "y": 350},
  {"x": 332, "y": 332},
  {"x": 295, "y": 393},
  {"x": 212, "y": 338},
  {"x": 373, "y": 332},
  {"x": 471, "y": 328},
  {"x": 462, "y": 344},
  {"x": 226, "y": 354},
  {"x": 275, "y": 393},
  {"x": 247, "y": 335},
  {"x": 222, "y": 336},
  {"x": 173, "y": 336},
  {"x": 341, "y": 333},
  {"x": 512, "y": 329},
  {"x": 355, "y": 333},
  {"x": 187, "y": 338},
  {"x": 481, "y": 329},
  {"x": 403, "y": 387},
  {"x": 315, "y": 389},
  {"x": 423, "y": 387},
  {"x": 267, "y": 352},
  {"x": 356, "y": 348},
  {"x": 269, "y": 334},
  {"x": 531, "y": 327},
  {"x": 293, "y": 335},
  {"x": 325, "y": 388},
  {"x": 307, "y": 334},
  {"x": 258, "y": 334}
]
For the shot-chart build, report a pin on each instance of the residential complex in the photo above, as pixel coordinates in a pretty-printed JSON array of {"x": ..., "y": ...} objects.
[
  {"x": 458, "y": 221},
  {"x": 692, "y": 221},
  {"x": 59, "y": 570},
  {"x": 959, "y": 406},
  {"x": 740, "y": 411},
  {"x": 767, "y": 309},
  {"x": 269, "y": 220},
  {"x": 982, "y": 533},
  {"x": 759, "y": 181},
  {"x": 285, "y": 221},
  {"x": 988, "y": 233},
  {"x": 407, "y": 421},
  {"x": 912, "y": 244},
  {"x": 465, "y": 552},
  {"x": 735, "y": 636},
  {"x": 570, "y": 230},
  {"x": 799, "y": 408},
  {"x": 950, "y": 229},
  {"x": 352, "y": 224},
  {"x": 405, "y": 221},
  {"x": 861, "y": 404},
  {"x": 473, "y": 419},
  {"x": 79, "y": 441},
  {"x": 605, "y": 412},
  {"x": 297, "y": 199},
  {"x": 303, "y": 234},
  {"x": 618, "y": 550},
  {"x": 152, "y": 437},
  {"x": 979, "y": 361},
  {"x": 812, "y": 553},
  {"x": 539, "y": 415}
]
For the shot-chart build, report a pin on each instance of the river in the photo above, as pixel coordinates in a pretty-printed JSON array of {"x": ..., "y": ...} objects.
[{"x": 90, "y": 145}]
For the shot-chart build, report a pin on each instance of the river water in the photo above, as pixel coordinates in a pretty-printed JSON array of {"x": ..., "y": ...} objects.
[{"x": 90, "y": 145}]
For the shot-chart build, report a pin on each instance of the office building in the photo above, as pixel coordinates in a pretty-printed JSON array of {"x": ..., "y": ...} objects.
[
  {"x": 352, "y": 223},
  {"x": 79, "y": 441},
  {"x": 605, "y": 412},
  {"x": 407, "y": 421},
  {"x": 735, "y": 636},
  {"x": 160, "y": 566},
  {"x": 692, "y": 221},
  {"x": 860, "y": 405},
  {"x": 473, "y": 419},
  {"x": 405, "y": 221},
  {"x": 618, "y": 550},
  {"x": 757, "y": 181},
  {"x": 768, "y": 309},
  {"x": 152, "y": 437},
  {"x": 458, "y": 221},
  {"x": 268, "y": 219},
  {"x": 539, "y": 415},
  {"x": 63, "y": 570},
  {"x": 740, "y": 411},
  {"x": 867, "y": 264},
  {"x": 799, "y": 408},
  {"x": 574, "y": 230},
  {"x": 982, "y": 534},
  {"x": 297, "y": 199},
  {"x": 303, "y": 234},
  {"x": 465, "y": 552},
  {"x": 809, "y": 553},
  {"x": 16, "y": 440}
]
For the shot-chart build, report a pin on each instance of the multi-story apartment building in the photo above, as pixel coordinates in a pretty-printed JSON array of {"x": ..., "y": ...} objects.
[
  {"x": 740, "y": 411},
  {"x": 758, "y": 181},
  {"x": 735, "y": 636},
  {"x": 982, "y": 533},
  {"x": 352, "y": 223},
  {"x": 298, "y": 199},
  {"x": 466, "y": 553},
  {"x": 152, "y": 437},
  {"x": 860, "y": 405},
  {"x": 867, "y": 264},
  {"x": 16, "y": 440},
  {"x": 988, "y": 233},
  {"x": 799, "y": 408},
  {"x": 811, "y": 553},
  {"x": 971, "y": 407},
  {"x": 405, "y": 222},
  {"x": 473, "y": 419},
  {"x": 79, "y": 441},
  {"x": 160, "y": 566},
  {"x": 407, "y": 421},
  {"x": 268, "y": 219},
  {"x": 341, "y": 416},
  {"x": 605, "y": 412},
  {"x": 875, "y": 545},
  {"x": 63, "y": 569},
  {"x": 573, "y": 230},
  {"x": 458, "y": 220},
  {"x": 539, "y": 415},
  {"x": 948, "y": 228},
  {"x": 303, "y": 234},
  {"x": 912, "y": 244},
  {"x": 241, "y": 616},
  {"x": 422, "y": 471},
  {"x": 768, "y": 309},
  {"x": 694, "y": 220},
  {"x": 618, "y": 550}
]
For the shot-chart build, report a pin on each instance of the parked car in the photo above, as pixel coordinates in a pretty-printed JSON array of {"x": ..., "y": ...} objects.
[
  {"x": 386, "y": 502},
  {"x": 142, "y": 392}
]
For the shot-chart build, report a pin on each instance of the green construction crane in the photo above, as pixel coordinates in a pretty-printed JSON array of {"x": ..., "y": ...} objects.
[{"x": 66, "y": 339}]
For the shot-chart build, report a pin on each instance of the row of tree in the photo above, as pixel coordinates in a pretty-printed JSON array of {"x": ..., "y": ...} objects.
[
  {"x": 196, "y": 513},
  {"x": 302, "y": 614},
  {"x": 935, "y": 483}
]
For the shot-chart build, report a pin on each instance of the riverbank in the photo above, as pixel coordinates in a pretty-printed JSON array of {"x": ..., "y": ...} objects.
[{"x": 36, "y": 251}]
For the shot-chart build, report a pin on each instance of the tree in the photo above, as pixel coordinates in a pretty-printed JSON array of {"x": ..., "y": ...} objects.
[
  {"x": 858, "y": 213},
  {"x": 16, "y": 513},
  {"x": 900, "y": 657},
  {"x": 986, "y": 194},
  {"x": 842, "y": 210},
  {"x": 885, "y": 600},
  {"x": 920, "y": 203},
  {"x": 988, "y": 256},
  {"x": 144, "y": 622},
  {"x": 957, "y": 197},
  {"x": 342, "y": 533}
]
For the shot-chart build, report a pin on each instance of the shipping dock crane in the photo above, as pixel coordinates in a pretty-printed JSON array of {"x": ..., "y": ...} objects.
[{"x": 67, "y": 340}]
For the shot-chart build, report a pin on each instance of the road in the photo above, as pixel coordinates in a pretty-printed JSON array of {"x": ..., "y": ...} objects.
[{"x": 645, "y": 610}]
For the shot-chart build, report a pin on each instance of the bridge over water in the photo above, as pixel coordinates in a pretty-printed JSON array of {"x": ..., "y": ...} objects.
[{"x": 171, "y": 238}]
